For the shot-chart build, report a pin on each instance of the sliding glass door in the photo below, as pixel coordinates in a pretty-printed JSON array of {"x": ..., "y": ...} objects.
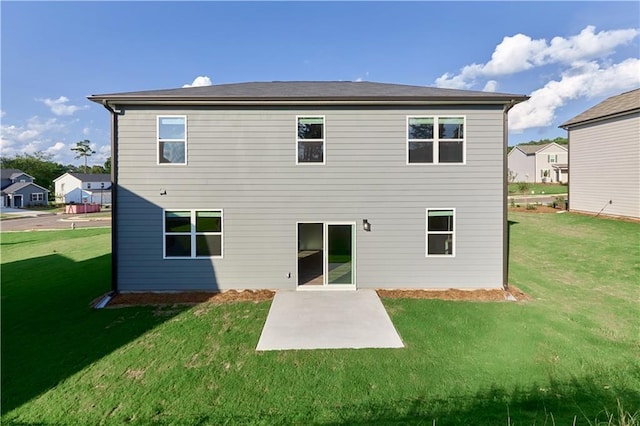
[{"x": 326, "y": 255}]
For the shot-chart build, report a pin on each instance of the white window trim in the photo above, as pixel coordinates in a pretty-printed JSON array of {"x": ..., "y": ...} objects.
[
  {"x": 427, "y": 233},
  {"x": 171, "y": 140},
  {"x": 436, "y": 140},
  {"x": 192, "y": 233},
  {"x": 40, "y": 196},
  {"x": 323, "y": 140}
]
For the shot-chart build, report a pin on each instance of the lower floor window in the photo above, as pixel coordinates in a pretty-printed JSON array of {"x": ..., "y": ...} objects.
[
  {"x": 440, "y": 232},
  {"x": 37, "y": 196},
  {"x": 192, "y": 233}
]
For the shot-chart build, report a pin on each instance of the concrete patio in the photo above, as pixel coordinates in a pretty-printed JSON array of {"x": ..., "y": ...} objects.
[{"x": 328, "y": 320}]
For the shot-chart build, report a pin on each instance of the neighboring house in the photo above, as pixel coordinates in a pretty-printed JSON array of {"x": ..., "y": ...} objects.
[
  {"x": 76, "y": 188},
  {"x": 308, "y": 185},
  {"x": 604, "y": 157},
  {"x": 545, "y": 163},
  {"x": 18, "y": 190}
]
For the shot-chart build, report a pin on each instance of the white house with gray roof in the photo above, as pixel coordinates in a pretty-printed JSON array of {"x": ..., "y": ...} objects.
[
  {"x": 308, "y": 186},
  {"x": 18, "y": 190},
  {"x": 544, "y": 163},
  {"x": 78, "y": 188},
  {"x": 604, "y": 156}
]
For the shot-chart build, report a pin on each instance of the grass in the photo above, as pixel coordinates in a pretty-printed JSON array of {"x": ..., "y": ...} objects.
[
  {"x": 537, "y": 188},
  {"x": 570, "y": 354}
]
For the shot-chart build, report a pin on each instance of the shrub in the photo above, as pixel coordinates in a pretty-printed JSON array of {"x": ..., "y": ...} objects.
[{"x": 523, "y": 187}]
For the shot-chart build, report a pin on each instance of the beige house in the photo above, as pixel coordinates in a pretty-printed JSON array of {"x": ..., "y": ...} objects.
[
  {"x": 546, "y": 163},
  {"x": 604, "y": 156}
]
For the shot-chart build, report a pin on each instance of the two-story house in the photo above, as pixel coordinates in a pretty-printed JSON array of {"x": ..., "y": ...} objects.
[
  {"x": 605, "y": 157},
  {"x": 308, "y": 185},
  {"x": 77, "y": 188},
  {"x": 546, "y": 163},
  {"x": 18, "y": 190}
]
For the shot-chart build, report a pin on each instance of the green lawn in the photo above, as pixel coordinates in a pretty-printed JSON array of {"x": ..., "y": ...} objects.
[
  {"x": 538, "y": 188},
  {"x": 570, "y": 352}
]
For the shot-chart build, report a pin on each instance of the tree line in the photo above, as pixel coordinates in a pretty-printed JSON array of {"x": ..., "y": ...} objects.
[
  {"x": 559, "y": 140},
  {"x": 44, "y": 170}
]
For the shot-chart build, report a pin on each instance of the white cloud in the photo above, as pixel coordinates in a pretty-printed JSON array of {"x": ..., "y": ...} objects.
[
  {"x": 2, "y": 113},
  {"x": 360, "y": 79},
  {"x": 34, "y": 135},
  {"x": 59, "y": 106},
  {"x": 86, "y": 131},
  {"x": 200, "y": 81},
  {"x": 491, "y": 86},
  {"x": 520, "y": 53},
  {"x": 55, "y": 149},
  {"x": 583, "y": 80}
]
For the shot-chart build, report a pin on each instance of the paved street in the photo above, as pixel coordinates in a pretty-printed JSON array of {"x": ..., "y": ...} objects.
[{"x": 52, "y": 221}]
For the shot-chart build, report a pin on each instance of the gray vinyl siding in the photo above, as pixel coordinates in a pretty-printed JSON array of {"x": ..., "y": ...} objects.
[
  {"x": 605, "y": 165},
  {"x": 243, "y": 161},
  {"x": 523, "y": 165}
]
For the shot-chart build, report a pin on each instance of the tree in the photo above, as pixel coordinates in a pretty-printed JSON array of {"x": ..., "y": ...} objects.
[
  {"x": 95, "y": 169},
  {"x": 107, "y": 165},
  {"x": 83, "y": 150}
]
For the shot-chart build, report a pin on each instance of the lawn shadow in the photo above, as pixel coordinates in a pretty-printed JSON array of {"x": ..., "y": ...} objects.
[
  {"x": 585, "y": 400},
  {"x": 50, "y": 330}
]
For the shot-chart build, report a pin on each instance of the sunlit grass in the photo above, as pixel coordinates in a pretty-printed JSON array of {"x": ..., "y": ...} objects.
[{"x": 570, "y": 354}]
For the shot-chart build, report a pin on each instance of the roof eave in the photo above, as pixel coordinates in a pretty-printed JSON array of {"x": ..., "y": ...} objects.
[
  {"x": 308, "y": 101},
  {"x": 566, "y": 125}
]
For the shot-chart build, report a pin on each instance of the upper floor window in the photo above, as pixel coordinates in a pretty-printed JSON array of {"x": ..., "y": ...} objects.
[
  {"x": 310, "y": 140},
  {"x": 552, "y": 158},
  {"x": 172, "y": 140},
  {"x": 433, "y": 140}
]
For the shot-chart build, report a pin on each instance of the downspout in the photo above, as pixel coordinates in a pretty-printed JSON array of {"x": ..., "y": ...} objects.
[
  {"x": 505, "y": 195},
  {"x": 114, "y": 197}
]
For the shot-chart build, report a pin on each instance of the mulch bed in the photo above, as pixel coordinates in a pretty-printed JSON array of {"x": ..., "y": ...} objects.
[
  {"x": 538, "y": 209},
  {"x": 189, "y": 298},
  {"x": 194, "y": 298},
  {"x": 496, "y": 295}
]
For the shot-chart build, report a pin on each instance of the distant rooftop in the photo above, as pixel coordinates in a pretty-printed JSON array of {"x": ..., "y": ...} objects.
[
  {"x": 96, "y": 177},
  {"x": 532, "y": 149},
  {"x": 624, "y": 103},
  {"x": 287, "y": 91},
  {"x": 11, "y": 173}
]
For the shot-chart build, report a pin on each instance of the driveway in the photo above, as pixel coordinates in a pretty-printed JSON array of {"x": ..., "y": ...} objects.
[{"x": 52, "y": 221}]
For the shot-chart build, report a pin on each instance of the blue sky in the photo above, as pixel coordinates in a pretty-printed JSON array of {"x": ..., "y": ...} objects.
[{"x": 567, "y": 55}]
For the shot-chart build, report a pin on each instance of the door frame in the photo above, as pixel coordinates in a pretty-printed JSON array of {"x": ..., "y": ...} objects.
[
  {"x": 13, "y": 201},
  {"x": 325, "y": 253}
]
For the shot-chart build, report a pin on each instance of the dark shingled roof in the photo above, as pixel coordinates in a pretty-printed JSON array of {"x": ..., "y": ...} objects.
[
  {"x": 19, "y": 185},
  {"x": 88, "y": 177},
  {"x": 11, "y": 173},
  {"x": 531, "y": 149},
  {"x": 309, "y": 91},
  {"x": 624, "y": 103}
]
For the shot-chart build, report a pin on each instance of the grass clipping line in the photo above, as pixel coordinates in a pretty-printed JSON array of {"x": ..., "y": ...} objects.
[{"x": 194, "y": 298}]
